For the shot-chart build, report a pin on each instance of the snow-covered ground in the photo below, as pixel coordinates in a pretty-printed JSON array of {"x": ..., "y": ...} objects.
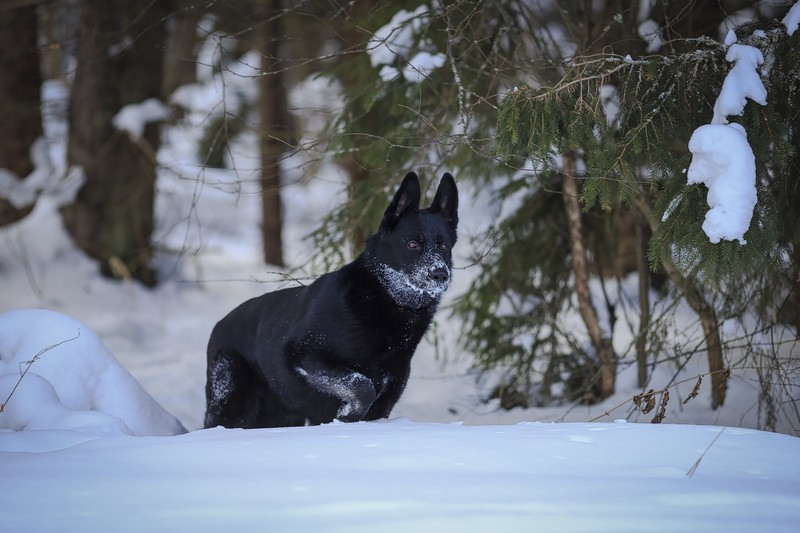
[
  {"x": 405, "y": 476},
  {"x": 546, "y": 469}
]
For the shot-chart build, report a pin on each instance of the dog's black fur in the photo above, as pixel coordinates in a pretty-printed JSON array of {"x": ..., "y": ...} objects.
[{"x": 341, "y": 347}]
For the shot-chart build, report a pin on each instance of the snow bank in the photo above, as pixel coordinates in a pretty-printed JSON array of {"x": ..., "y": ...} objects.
[
  {"x": 70, "y": 380},
  {"x": 404, "y": 476}
]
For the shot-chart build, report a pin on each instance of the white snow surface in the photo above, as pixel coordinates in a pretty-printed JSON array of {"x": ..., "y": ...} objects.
[
  {"x": 445, "y": 461},
  {"x": 400, "y": 476}
]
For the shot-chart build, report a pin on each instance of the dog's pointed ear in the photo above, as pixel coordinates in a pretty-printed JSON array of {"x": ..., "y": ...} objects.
[
  {"x": 406, "y": 200},
  {"x": 446, "y": 200}
]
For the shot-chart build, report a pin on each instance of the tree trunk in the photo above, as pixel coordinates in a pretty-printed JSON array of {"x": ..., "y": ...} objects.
[
  {"x": 643, "y": 270},
  {"x": 796, "y": 287},
  {"x": 708, "y": 316},
  {"x": 120, "y": 50},
  {"x": 20, "y": 107},
  {"x": 180, "y": 58},
  {"x": 355, "y": 38},
  {"x": 605, "y": 352},
  {"x": 275, "y": 130}
]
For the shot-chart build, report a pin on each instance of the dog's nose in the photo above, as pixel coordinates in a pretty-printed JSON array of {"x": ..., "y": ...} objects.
[{"x": 439, "y": 275}]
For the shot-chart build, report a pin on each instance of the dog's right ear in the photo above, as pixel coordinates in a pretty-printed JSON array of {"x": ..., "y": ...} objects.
[{"x": 406, "y": 200}]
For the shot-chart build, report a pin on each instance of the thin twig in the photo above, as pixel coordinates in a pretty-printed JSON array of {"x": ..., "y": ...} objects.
[
  {"x": 693, "y": 469},
  {"x": 30, "y": 363}
]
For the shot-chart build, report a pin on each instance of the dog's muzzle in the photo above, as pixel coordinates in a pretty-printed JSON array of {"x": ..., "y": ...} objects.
[{"x": 439, "y": 275}]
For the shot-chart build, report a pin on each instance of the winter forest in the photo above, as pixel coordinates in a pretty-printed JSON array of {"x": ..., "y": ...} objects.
[{"x": 625, "y": 305}]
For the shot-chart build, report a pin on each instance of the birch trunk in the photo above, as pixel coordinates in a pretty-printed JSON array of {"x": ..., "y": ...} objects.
[{"x": 605, "y": 353}]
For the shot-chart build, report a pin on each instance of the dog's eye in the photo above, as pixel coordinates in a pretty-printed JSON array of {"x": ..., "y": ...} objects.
[
  {"x": 443, "y": 247},
  {"x": 412, "y": 245}
]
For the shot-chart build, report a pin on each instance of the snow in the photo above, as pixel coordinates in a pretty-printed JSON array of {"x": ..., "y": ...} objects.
[
  {"x": 721, "y": 156},
  {"x": 421, "y": 65},
  {"x": 403, "y": 476},
  {"x": 395, "y": 40},
  {"x": 68, "y": 461},
  {"x": 77, "y": 381},
  {"x": 396, "y": 37},
  {"x": 134, "y": 117},
  {"x": 723, "y": 160},
  {"x": 415, "y": 289},
  {"x": 792, "y": 19},
  {"x": 609, "y": 98},
  {"x": 741, "y": 83},
  {"x": 650, "y": 31}
]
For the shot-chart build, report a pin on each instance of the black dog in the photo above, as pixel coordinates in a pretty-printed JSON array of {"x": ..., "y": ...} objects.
[{"x": 341, "y": 347}]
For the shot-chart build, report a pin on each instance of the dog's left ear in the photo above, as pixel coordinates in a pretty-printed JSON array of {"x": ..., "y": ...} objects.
[
  {"x": 406, "y": 200},
  {"x": 446, "y": 200}
]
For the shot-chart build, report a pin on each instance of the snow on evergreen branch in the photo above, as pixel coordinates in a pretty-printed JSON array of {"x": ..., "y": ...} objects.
[{"x": 722, "y": 158}]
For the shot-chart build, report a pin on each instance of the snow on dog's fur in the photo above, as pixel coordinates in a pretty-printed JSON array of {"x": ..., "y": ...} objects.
[{"x": 341, "y": 348}]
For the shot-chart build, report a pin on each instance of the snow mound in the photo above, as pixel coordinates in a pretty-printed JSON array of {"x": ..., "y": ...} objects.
[{"x": 55, "y": 373}]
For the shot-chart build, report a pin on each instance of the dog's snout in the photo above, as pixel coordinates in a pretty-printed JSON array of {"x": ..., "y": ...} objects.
[{"x": 439, "y": 275}]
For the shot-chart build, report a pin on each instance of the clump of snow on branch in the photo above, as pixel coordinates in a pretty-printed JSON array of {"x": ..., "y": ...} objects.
[
  {"x": 724, "y": 161},
  {"x": 396, "y": 40},
  {"x": 792, "y": 19},
  {"x": 609, "y": 98},
  {"x": 134, "y": 117},
  {"x": 650, "y": 31},
  {"x": 741, "y": 83},
  {"x": 722, "y": 158},
  {"x": 421, "y": 65}
]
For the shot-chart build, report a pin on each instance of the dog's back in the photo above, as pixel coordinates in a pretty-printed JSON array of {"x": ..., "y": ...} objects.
[{"x": 341, "y": 347}]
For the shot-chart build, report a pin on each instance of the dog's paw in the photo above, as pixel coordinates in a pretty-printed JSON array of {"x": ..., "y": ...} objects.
[{"x": 357, "y": 399}]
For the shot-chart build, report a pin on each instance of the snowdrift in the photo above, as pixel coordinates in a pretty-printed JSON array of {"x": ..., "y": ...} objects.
[
  {"x": 405, "y": 476},
  {"x": 55, "y": 373}
]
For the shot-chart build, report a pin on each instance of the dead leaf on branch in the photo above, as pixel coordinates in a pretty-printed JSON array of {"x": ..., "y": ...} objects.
[
  {"x": 645, "y": 402},
  {"x": 695, "y": 390},
  {"x": 662, "y": 409}
]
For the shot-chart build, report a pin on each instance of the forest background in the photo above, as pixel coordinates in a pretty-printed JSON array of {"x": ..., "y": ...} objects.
[{"x": 571, "y": 121}]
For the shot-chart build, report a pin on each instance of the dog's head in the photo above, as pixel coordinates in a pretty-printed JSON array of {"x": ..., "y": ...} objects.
[{"x": 411, "y": 254}]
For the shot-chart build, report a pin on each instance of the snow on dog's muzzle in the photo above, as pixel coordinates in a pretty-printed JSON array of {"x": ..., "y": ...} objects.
[
  {"x": 425, "y": 282},
  {"x": 439, "y": 275}
]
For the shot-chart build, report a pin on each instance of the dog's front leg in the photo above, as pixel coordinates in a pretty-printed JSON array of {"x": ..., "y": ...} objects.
[{"x": 355, "y": 390}]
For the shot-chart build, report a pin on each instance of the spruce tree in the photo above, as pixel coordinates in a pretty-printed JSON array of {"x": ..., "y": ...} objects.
[{"x": 527, "y": 91}]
